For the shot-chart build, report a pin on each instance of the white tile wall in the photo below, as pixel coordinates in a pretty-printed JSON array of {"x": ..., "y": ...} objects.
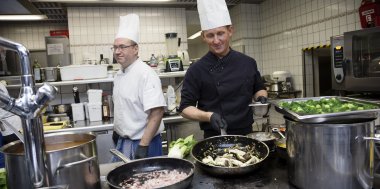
[
  {"x": 287, "y": 26},
  {"x": 32, "y": 35},
  {"x": 245, "y": 19},
  {"x": 92, "y": 30}
]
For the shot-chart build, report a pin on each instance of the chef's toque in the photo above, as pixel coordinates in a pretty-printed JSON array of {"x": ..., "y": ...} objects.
[
  {"x": 129, "y": 27},
  {"x": 213, "y": 14}
]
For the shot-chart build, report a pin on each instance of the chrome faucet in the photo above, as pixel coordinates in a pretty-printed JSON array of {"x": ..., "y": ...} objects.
[{"x": 28, "y": 106}]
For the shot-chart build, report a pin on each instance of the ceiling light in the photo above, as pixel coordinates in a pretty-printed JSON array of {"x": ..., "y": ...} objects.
[
  {"x": 137, "y": 1},
  {"x": 22, "y": 17},
  {"x": 195, "y": 35},
  {"x": 103, "y": 1}
]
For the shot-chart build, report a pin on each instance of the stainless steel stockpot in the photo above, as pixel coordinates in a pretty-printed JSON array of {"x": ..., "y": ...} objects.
[
  {"x": 330, "y": 156},
  {"x": 71, "y": 160}
]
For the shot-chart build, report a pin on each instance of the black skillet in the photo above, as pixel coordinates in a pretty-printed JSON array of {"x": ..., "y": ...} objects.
[
  {"x": 204, "y": 147},
  {"x": 130, "y": 168}
]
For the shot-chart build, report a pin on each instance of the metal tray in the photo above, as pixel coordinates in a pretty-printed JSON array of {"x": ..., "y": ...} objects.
[{"x": 340, "y": 117}]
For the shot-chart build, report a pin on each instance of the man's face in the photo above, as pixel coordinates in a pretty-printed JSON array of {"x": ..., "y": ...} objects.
[
  {"x": 218, "y": 40},
  {"x": 125, "y": 51}
]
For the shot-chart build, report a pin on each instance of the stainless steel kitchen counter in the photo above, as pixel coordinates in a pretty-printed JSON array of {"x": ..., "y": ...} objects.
[
  {"x": 272, "y": 175},
  {"x": 87, "y": 126}
]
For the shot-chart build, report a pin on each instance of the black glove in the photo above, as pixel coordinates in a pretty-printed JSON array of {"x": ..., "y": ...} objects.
[
  {"x": 217, "y": 122},
  {"x": 262, "y": 99},
  {"x": 141, "y": 152}
]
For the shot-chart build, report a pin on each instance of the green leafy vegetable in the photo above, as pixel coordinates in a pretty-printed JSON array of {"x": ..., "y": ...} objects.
[
  {"x": 3, "y": 179},
  {"x": 180, "y": 148},
  {"x": 324, "y": 105}
]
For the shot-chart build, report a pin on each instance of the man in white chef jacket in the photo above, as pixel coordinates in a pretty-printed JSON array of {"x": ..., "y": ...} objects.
[{"x": 138, "y": 98}]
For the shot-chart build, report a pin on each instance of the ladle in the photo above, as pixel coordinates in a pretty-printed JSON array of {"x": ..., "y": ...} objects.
[{"x": 278, "y": 131}]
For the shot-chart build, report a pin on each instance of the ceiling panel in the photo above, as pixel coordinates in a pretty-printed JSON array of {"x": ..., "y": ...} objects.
[{"x": 56, "y": 11}]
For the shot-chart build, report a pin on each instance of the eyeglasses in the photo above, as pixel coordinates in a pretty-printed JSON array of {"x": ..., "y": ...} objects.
[{"x": 121, "y": 47}]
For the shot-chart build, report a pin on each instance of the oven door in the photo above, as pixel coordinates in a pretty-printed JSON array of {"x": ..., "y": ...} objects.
[{"x": 362, "y": 65}]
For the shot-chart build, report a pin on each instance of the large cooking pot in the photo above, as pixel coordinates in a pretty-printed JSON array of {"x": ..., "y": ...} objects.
[
  {"x": 330, "y": 156},
  {"x": 141, "y": 166},
  {"x": 71, "y": 160},
  {"x": 204, "y": 147}
]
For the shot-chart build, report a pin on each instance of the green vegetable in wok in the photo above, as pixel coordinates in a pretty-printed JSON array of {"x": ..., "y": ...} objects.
[{"x": 324, "y": 105}]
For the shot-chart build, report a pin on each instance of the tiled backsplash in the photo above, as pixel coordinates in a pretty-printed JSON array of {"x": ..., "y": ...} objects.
[
  {"x": 245, "y": 19},
  {"x": 93, "y": 29},
  {"x": 31, "y": 35}
]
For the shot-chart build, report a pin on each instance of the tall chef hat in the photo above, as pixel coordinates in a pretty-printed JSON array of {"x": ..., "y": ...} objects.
[
  {"x": 213, "y": 14},
  {"x": 129, "y": 27}
]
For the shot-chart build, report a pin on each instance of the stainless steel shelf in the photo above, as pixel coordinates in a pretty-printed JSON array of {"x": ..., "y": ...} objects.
[
  {"x": 87, "y": 126},
  {"x": 103, "y": 80},
  {"x": 76, "y": 82},
  {"x": 172, "y": 74}
]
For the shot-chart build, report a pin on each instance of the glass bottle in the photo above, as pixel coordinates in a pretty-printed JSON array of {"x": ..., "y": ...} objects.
[
  {"x": 105, "y": 108},
  {"x": 102, "y": 61},
  {"x": 153, "y": 61},
  {"x": 37, "y": 71},
  {"x": 76, "y": 94}
]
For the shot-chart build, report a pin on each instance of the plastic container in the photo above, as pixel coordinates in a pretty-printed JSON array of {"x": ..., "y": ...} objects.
[
  {"x": 85, "y": 104},
  {"x": 95, "y": 111},
  {"x": 170, "y": 94},
  {"x": 81, "y": 72},
  {"x": 78, "y": 111},
  {"x": 94, "y": 95}
]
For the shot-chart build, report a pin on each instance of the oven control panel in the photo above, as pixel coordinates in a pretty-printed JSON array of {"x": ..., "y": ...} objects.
[{"x": 337, "y": 57}]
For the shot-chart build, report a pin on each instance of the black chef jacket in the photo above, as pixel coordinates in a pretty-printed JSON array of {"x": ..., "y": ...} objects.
[{"x": 224, "y": 86}]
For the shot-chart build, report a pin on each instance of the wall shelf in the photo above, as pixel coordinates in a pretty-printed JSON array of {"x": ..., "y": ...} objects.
[
  {"x": 76, "y": 82},
  {"x": 103, "y": 80}
]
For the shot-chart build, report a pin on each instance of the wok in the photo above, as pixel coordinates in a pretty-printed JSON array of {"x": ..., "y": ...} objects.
[
  {"x": 146, "y": 165},
  {"x": 204, "y": 148}
]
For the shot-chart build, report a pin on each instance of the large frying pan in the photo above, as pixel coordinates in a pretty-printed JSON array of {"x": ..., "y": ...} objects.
[
  {"x": 204, "y": 147},
  {"x": 130, "y": 168}
]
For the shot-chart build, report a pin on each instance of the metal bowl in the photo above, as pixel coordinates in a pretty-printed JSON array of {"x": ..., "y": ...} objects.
[{"x": 260, "y": 110}]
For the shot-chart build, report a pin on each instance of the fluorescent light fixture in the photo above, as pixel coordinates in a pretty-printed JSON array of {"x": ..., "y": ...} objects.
[
  {"x": 104, "y": 1},
  {"x": 138, "y": 1},
  {"x": 22, "y": 17},
  {"x": 195, "y": 35}
]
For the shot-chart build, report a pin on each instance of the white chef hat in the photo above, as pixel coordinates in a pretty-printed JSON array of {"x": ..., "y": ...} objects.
[
  {"x": 213, "y": 14},
  {"x": 129, "y": 27}
]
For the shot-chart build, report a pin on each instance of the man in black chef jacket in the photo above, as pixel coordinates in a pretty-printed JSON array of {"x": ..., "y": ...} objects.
[{"x": 218, "y": 88}]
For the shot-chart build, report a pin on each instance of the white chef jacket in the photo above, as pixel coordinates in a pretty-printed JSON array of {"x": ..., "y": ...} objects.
[
  {"x": 136, "y": 91},
  {"x": 11, "y": 118}
]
